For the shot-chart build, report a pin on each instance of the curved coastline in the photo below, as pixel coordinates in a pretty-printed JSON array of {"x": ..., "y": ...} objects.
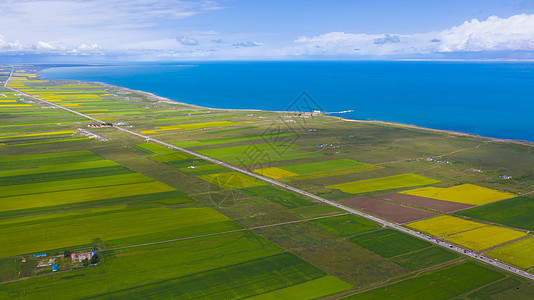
[{"x": 388, "y": 123}]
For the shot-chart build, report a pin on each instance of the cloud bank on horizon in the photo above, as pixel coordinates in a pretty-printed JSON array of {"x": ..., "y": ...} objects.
[{"x": 167, "y": 30}]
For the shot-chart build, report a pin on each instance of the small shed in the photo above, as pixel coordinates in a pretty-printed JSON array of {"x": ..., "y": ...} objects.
[{"x": 54, "y": 268}]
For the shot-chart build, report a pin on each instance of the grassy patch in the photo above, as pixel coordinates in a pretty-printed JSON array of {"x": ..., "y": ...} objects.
[
  {"x": 384, "y": 183},
  {"x": 309, "y": 290},
  {"x": 323, "y": 166},
  {"x": 441, "y": 284},
  {"x": 236, "y": 281},
  {"x": 276, "y": 195},
  {"x": 34, "y": 160},
  {"x": 388, "y": 242},
  {"x": 345, "y": 225},
  {"x": 315, "y": 210},
  {"x": 80, "y": 230},
  {"x": 155, "y": 148},
  {"x": 424, "y": 258}
]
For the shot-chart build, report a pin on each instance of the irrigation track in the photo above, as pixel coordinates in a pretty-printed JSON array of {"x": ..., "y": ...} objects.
[{"x": 273, "y": 182}]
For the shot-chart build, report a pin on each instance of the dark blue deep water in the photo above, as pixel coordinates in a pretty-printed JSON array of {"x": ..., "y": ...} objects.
[{"x": 493, "y": 99}]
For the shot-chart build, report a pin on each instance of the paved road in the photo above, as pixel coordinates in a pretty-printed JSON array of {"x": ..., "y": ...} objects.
[{"x": 384, "y": 223}]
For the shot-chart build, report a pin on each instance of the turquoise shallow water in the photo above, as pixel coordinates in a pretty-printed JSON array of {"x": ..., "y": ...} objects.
[{"x": 492, "y": 99}]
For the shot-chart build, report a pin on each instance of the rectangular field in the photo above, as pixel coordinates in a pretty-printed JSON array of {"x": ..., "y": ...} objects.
[
  {"x": 77, "y": 196},
  {"x": 387, "y": 210},
  {"x": 440, "y": 284},
  {"x": 388, "y": 242},
  {"x": 439, "y": 205},
  {"x": 424, "y": 258},
  {"x": 235, "y": 281},
  {"x": 516, "y": 212},
  {"x": 444, "y": 225},
  {"x": 231, "y": 180},
  {"x": 383, "y": 183},
  {"x": 312, "y": 289},
  {"x": 323, "y": 166},
  {"x": 345, "y": 225},
  {"x": 518, "y": 253},
  {"x": 485, "y": 237},
  {"x": 155, "y": 148},
  {"x": 64, "y": 232},
  {"x": 276, "y": 195},
  {"x": 464, "y": 193}
]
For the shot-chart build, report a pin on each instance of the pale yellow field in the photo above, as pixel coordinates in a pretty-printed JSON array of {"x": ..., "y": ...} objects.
[
  {"x": 14, "y": 105},
  {"x": 485, "y": 237},
  {"x": 444, "y": 225},
  {"x": 232, "y": 180},
  {"x": 38, "y": 134},
  {"x": 465, "y": 193},
  {"x": 275, "y": 173}
]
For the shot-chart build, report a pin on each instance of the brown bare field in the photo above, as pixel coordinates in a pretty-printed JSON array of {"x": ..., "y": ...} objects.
[
  {"x": 444, "y": 206},
  {"x": 394, "y": 212}
]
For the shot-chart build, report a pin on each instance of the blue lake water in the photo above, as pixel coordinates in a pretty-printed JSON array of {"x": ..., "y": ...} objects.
[{"x": 494, "y": 99}]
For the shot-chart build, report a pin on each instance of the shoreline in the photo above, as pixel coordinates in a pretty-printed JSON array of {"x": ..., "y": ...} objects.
[{"x": 388, "y": 123}]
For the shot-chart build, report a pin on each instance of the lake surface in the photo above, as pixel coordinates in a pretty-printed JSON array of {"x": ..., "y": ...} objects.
[{"x": 494, "y": 99}]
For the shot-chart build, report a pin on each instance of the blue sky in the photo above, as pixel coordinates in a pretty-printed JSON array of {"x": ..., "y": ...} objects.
[{"x": 101, "y": 30}]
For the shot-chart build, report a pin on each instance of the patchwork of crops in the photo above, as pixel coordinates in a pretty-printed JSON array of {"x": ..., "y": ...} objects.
[
  {"x": 231, "y": 180},
  {"x": 465, "y": 193},
  {"x": 318, "y": 169},
  {"x": 384, "y": 183}
]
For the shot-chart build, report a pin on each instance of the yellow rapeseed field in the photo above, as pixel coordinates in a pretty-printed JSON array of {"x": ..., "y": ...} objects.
[
  {"x": 275, "y": 173},
  {"x": 193, "y": 126},
  {"x": 485, "y": 237},
  {"x": 444, "y": 225},
  {"x": 465, "y": 193}
]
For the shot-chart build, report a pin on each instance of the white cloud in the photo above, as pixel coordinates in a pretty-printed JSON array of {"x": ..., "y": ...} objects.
[
  {"x": 89, "y": 47},
  {"x": 44, "y": 46},
  {"x": 247, "y": 44},
  {"x": 513, "y": 33},
  {"x": 187, "y": 41}
]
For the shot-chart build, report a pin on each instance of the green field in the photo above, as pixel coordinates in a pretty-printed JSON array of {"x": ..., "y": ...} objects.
[
  {"x": 258, "y": 153},
  {"x": 147, "y": 265},
  {"x": 315, "y": 210},
  {"x": 424, "y": 258},
  {"x": 33, "y": 160},
  {"x": 227, "y": 140},
  {"x": 388, "y": 242},
  {"x": 155, "y": 148},
  {"x": 81, "y": 230},
  {"x": 346, "y": 225},
  {"x": 518, "y": 253},
  {"x": 515, "y": 212},
  {"x": 442, "y": 284},
  {"x": 77, "y": 196},
  {"x": 58, "y": 168},
  {"x": 73, "y": 184},
  {"x": 508, "y": 288},
  {"x": 232, "y": 282},
  {"x": 276, "y": 195},
  {"x": 309, "y": 290},
  {"x": 231, "y": 180},
  {"x": 323, "y": 166},
  {"x": 384, "y": 183}
]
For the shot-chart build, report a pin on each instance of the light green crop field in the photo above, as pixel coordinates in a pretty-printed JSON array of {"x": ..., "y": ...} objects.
[
  {"x": 384, "y": 183},
  {"x": 59, "y": 233},
  {"x": 146, "y": 265},
  {"x": 309, "y": 290},
  {"x": 227, "y": 140},
  {"x": 424, "y": 258},
  {"x": 155, "y": 148},
  {"x": 323, "y": 166},
  {"x": 258, "y": 153},
  {"x": 32, "y": 160},
  {"x": 231, "y": 180},
  {"x": 58, "y": 168},
  {"x": 518, "y": 253},
  {"x": 76, "y": 196},
  {"x": 74, "y": 184}
]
